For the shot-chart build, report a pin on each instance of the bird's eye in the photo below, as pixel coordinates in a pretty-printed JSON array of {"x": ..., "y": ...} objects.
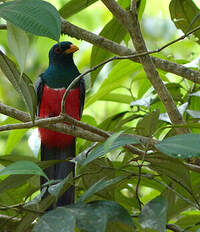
[{"x": 57, "y": 50}]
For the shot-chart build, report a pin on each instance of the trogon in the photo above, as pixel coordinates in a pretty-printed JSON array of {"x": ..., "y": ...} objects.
[{"x": 50, "y": 88}]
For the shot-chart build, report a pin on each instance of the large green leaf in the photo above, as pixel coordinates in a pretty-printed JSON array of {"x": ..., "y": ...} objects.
[
  {"x": 13, "y": 182},
  {"x": 95, "y": 216},
  {"x": 154, "y": 214},
  {"x": 113, "y": 31},
  {"x": 74, "y": 6},
  {"x": 112, "y": 123},
  {"x": 149, "y": 124},
  {"x": 58, "y": 220},
  {"x": 88, "y": 217},
  {"x": 35, "y": 16},
  {"x": 183, "y": 14},
  {"x": 99, "y": 150},
  {"x": 22, "y": 84},
  {"x": 23, "y": 167},
  {"x": 14, "y": 137},
  {"x": 189, "y": 219},
  {"x": 100, "y": 185},
  {"x": 109, "y": 141},
  {"x": 165, "y": 166},
  {"x": 18, "y": 43},
  {"x": 96, "y": 170},
  {"x": 181, "y": 146},
  {"x": 5, "y": 160},
  {"x": 120, "y": 72}
]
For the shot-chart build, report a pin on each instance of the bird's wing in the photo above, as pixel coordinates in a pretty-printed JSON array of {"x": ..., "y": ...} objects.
[
  {"x": 82, "y": 95},
  {"x": 39, "y": 89}
]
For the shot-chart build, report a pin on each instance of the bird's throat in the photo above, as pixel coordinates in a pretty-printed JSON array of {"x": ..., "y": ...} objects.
[{"x": 60, "y": 76}]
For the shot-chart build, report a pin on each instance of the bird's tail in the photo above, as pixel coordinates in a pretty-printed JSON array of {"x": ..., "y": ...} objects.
[{"x": 60, "y": 170}]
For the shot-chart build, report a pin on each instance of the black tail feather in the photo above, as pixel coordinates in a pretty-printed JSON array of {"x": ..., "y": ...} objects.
[{"x": 60, "y": 170}]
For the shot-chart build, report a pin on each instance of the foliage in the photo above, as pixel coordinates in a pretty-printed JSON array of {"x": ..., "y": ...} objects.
[{"x": 144, "y": 176}]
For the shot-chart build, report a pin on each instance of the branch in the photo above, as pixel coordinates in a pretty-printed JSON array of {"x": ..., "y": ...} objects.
[
  {"x": 78, "y": 129},
  {"x": 115, "y": 48},
  {"x": 59, "y": 127},
  {"x": 130, "y": 21}
]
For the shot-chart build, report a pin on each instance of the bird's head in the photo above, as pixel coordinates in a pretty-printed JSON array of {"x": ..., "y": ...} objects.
[{"x": 62, "y": 52}]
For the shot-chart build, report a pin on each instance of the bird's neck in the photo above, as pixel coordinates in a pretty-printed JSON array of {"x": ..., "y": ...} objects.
[{"x": 60, "y": 75}]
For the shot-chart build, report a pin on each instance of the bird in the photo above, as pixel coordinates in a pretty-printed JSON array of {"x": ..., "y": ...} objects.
[{"x": 50, "y": 88}]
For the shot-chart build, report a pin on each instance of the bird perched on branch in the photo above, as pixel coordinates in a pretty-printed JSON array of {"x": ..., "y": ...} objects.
[{"x": 50, "y": 88}]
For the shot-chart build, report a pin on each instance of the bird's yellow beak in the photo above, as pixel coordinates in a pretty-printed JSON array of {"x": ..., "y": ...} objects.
[{"x": 73, "y": 48}]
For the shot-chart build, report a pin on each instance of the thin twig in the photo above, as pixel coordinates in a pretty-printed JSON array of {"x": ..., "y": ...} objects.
[
  {"x": 178, "y": 194},
  {"x": 113, "y": 47},
  {"x": 79, "y": 33},
  {"x": 20, "y": 207},
  {"x": 192, "y": 167}
]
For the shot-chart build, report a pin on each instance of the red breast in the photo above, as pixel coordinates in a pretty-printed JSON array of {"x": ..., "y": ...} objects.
[{"x": 50, "y": 107}]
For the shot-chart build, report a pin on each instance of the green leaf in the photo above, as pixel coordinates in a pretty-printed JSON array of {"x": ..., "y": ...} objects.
[
  {"x": 142, "y": 4},
  {"x": 188, "y": 220},
  {"x": 180, "y": 146},
  {"x": 98, "y": 169},
  {"x": 145, "y": 101},
  {"x": 55, "y": 189},
  {"x": 14, "y": 137},
  {"x": 5, "y": 160},
  {"x": 99, "y": 150},
  {"x": 116, "y": 97},
  {"x": 102, "y": 212},
  {"x": 36, "y": 199},
  {"x": 114, "y": 31},
  {"x": 35, "y": 16},
  {"x": 13, "y": 182},
  {"x": 197, "y": 94},
  {"x": 100, "y": 185},
  {"x": 22, "y": 84},
  {"x": 89, "y": 217},
  {"x": 18, "y": 43},
  {"x": 149, "y": 124},
  {"x": 165, "y": 166},
  {"x": 154, "y": 214},
  {"x": 110, "y": 140},
  {"x": 120, "y": 72},
  {"x": 23, "y": 167},
  {"x": 193, "y": 113},
  {"x": 182, "y": 108},
  {"x": 74, "y": 6},
  {"x": 183, "y": 13},
  {"x": 112, "y": 123},
  {"x": 59, "y": 220}
]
